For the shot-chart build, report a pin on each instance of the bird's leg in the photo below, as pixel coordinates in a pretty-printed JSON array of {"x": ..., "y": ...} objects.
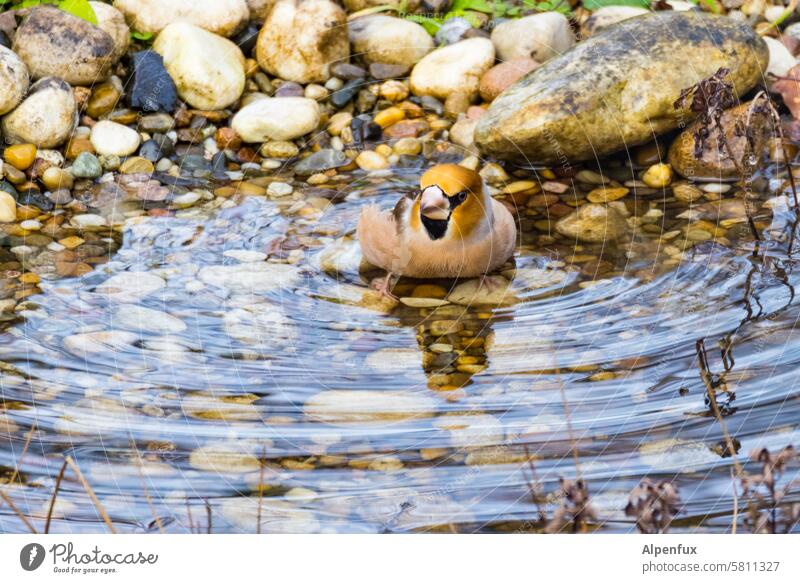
[{"x": 384, "y": 287}]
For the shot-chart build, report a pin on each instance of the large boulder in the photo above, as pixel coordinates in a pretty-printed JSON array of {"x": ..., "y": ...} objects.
[
  {"x": 54, "y": 43},
  {"x": 223, "y": 17},
  {"x": 456, "y": 68},
  {"x": 539, "y": 37},
  {"x": 301, "y": 40},
  {"x": 385, "y": 39},
  {"x": 45, "y": 118},
  {"x": 618, "y": 88},
  {"x": 208, "y": 70}
]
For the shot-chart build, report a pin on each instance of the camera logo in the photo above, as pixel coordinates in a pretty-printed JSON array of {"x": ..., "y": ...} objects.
[{"x": 31, "y": 556}]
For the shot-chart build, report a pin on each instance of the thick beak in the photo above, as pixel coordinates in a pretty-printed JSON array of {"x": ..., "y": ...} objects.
[{"x": 433, "y": 204}]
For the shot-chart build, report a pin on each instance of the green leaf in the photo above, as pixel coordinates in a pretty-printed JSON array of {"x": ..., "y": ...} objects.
[
  {"x": 143, "y": 36},
  {"x": 80, "y": 8},
  {"x": 595, "y": 4},
  {"x": 476, "y": 5},
  {"x": 432, "y": 25}
]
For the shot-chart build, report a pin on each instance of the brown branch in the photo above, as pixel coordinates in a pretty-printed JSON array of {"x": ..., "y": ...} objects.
[
  {"x": 95, "y": 500},
  {"x": 19, "y": 514},
  {"x": 53, "y": 497}
]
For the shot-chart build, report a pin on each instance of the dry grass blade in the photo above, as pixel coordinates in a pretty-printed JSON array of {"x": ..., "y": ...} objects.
[
  {"x": 91, "y": 494},
  {"x": 19, "y": 514},
  {"x": 21, "y": 456},
  {"x": 54, "y": 496},
  {"x": 260, "y": 491}
]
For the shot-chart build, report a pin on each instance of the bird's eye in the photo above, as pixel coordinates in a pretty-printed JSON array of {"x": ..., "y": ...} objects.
[{"x": 461, "y": 196}]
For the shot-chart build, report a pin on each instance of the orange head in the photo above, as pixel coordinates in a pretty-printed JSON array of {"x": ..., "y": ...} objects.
[{"x": 450, "y": 204}]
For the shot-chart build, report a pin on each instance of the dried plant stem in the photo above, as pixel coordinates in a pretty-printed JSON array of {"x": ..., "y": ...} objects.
[
  {"x": 19, "y": 514},
  {"x": 260, "y": 491},
  {"x": 734, "y": 520},
  {"x": 570, "y": 434},
  {"x": 189, "y": 516},
  {"x": 208, "y": 516},
  {"x": 91, "y": 494},
  {"x": 53, "y": 497},
  {"x": 21, "y": 456}
]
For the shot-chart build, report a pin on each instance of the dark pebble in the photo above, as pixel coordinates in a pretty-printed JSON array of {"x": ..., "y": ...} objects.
[
  {"x": 4, "y": 40},
  {"x": 290, "y": 89},
  {"x": 346, "y": 93},
  {"x": 246, "y": 38},
  {"x": 150, "y": 86},
  {"x": 35, "y": 198},
  {"x": 365, "y": 130},
  {"x": 347, "y": 71},
  {"x": 320, "y": 161},
  {"x": 382, "y": 71},
  {"x": 6, "y": 186},
  {"x": 429, "y": 103}
]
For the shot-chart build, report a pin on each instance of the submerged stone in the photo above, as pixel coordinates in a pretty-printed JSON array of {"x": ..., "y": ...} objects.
[
  {"x": 617, "y": 89},
  {"x": 320, "y": 161}
]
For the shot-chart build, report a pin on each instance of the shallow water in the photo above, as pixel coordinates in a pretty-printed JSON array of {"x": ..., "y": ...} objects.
[{"x": 365, "y": 419}]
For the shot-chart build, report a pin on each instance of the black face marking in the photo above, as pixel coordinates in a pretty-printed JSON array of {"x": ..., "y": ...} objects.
[{"x": 436, "y": 228}]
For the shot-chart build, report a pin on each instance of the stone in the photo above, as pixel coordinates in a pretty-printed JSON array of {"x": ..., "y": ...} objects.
[
  {"x": 54, "y": 43},
  {"x": 343, "y": 406},
  {"x": 249, "y": 277},
  {"x": 141, "y": 319},
  {"x": 369, "y": 160},
  {"x": 280, "y": 149},
  {"x": 130, "y": 286},
  {"x": 658, "y": 176},
  {"x": 223, "y": 458},
  {"x": 383, "y": 71},
  {"x": 619, "y": 94},
  {"x": 593, "y": 223},
  {"x": 494, "y": 292},
  {"x": 301, "y": 40},
  {"x": 715, "y": 163},
  {"x": 276, "y": 118},
  {"x": 279, "y": 189},
  {"x": 20, "y": 156},
  {"x": 260, "y": 9},
  {"x": 105, "y": 342},
  {"x": 208, "y": 70},
  {"x": 86, "y": 165},
  {"x": 780, "y": 59},
  {"x": 268, "y": 515},
  {"x": 463, "y": 132},
  {"x": 112, "y": 21},
  {"x": 103, "y": 100},
  {"x": 454, "y": 68},
  {"x": 388, "y": 40},
  {"x": 45, "y": 118},
  {"x": 502, "y": 76},
  {"x": 222, "y": 17},
  {"x": 8, "y": 208},
  {"x": 539, "y": 37},
  {"x": 150, "y": 88},
  {"x": 56, "y": 179},
  {"x": 138, "y": 165},
  {"x": 113, "y": 139},
  {"x": 13, "y": 80},
  {"x": 608, "y": 15},
  {"x": 321, "y": 161}
]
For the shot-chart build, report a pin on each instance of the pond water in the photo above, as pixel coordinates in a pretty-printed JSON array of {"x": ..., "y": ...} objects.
[{"x": 200, "y": 388}]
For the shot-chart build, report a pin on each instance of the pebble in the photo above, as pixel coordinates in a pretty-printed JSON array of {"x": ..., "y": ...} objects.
[
  {"x": 280, "y": 149},
  {"x": 388, "y": 40},
  {"x": 223, "y": 17},
  {"x": 279, "y": 189},
  {"x": 45, "y": 118},
  {"x": 600, "y": 195},
  {"x": 86, "y": 165},
  {"x": 103, "y": 100},
  {"x": 150, "y": 88},
  {"x": 504, "y": 75},
  {"x": 276, "y": 118},
  {"x": 658, "y": 176},
  {"x": 112, "y": 21},
  {"x": 137, "y": 165},
  {"x": 593, "y": 223},
  {"x": 306, "y": 57},
  {"x": 8, "y": 208},
  {"x": 321, "y": 161},
  {"x": 20, "y": 156},
  {"x": 687, "y": 192},
  {"x": 208, "y": 69},
  {"x": 54, "y": 43},
  {"x": 453, "y": 68},
  {"x": 13, "y": 80},
  {"x": 539, "y": 37},
  {"x": 716, "y": 187},
  {"x": 112, "y": 139},
  {"x": 369, "y": 160}
]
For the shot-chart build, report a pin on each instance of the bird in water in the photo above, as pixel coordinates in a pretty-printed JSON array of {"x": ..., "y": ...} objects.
[{"x": 450, "y": 228}]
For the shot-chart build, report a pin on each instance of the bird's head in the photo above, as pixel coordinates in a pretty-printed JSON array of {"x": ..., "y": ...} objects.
[{"x": 450, "y": 203}]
